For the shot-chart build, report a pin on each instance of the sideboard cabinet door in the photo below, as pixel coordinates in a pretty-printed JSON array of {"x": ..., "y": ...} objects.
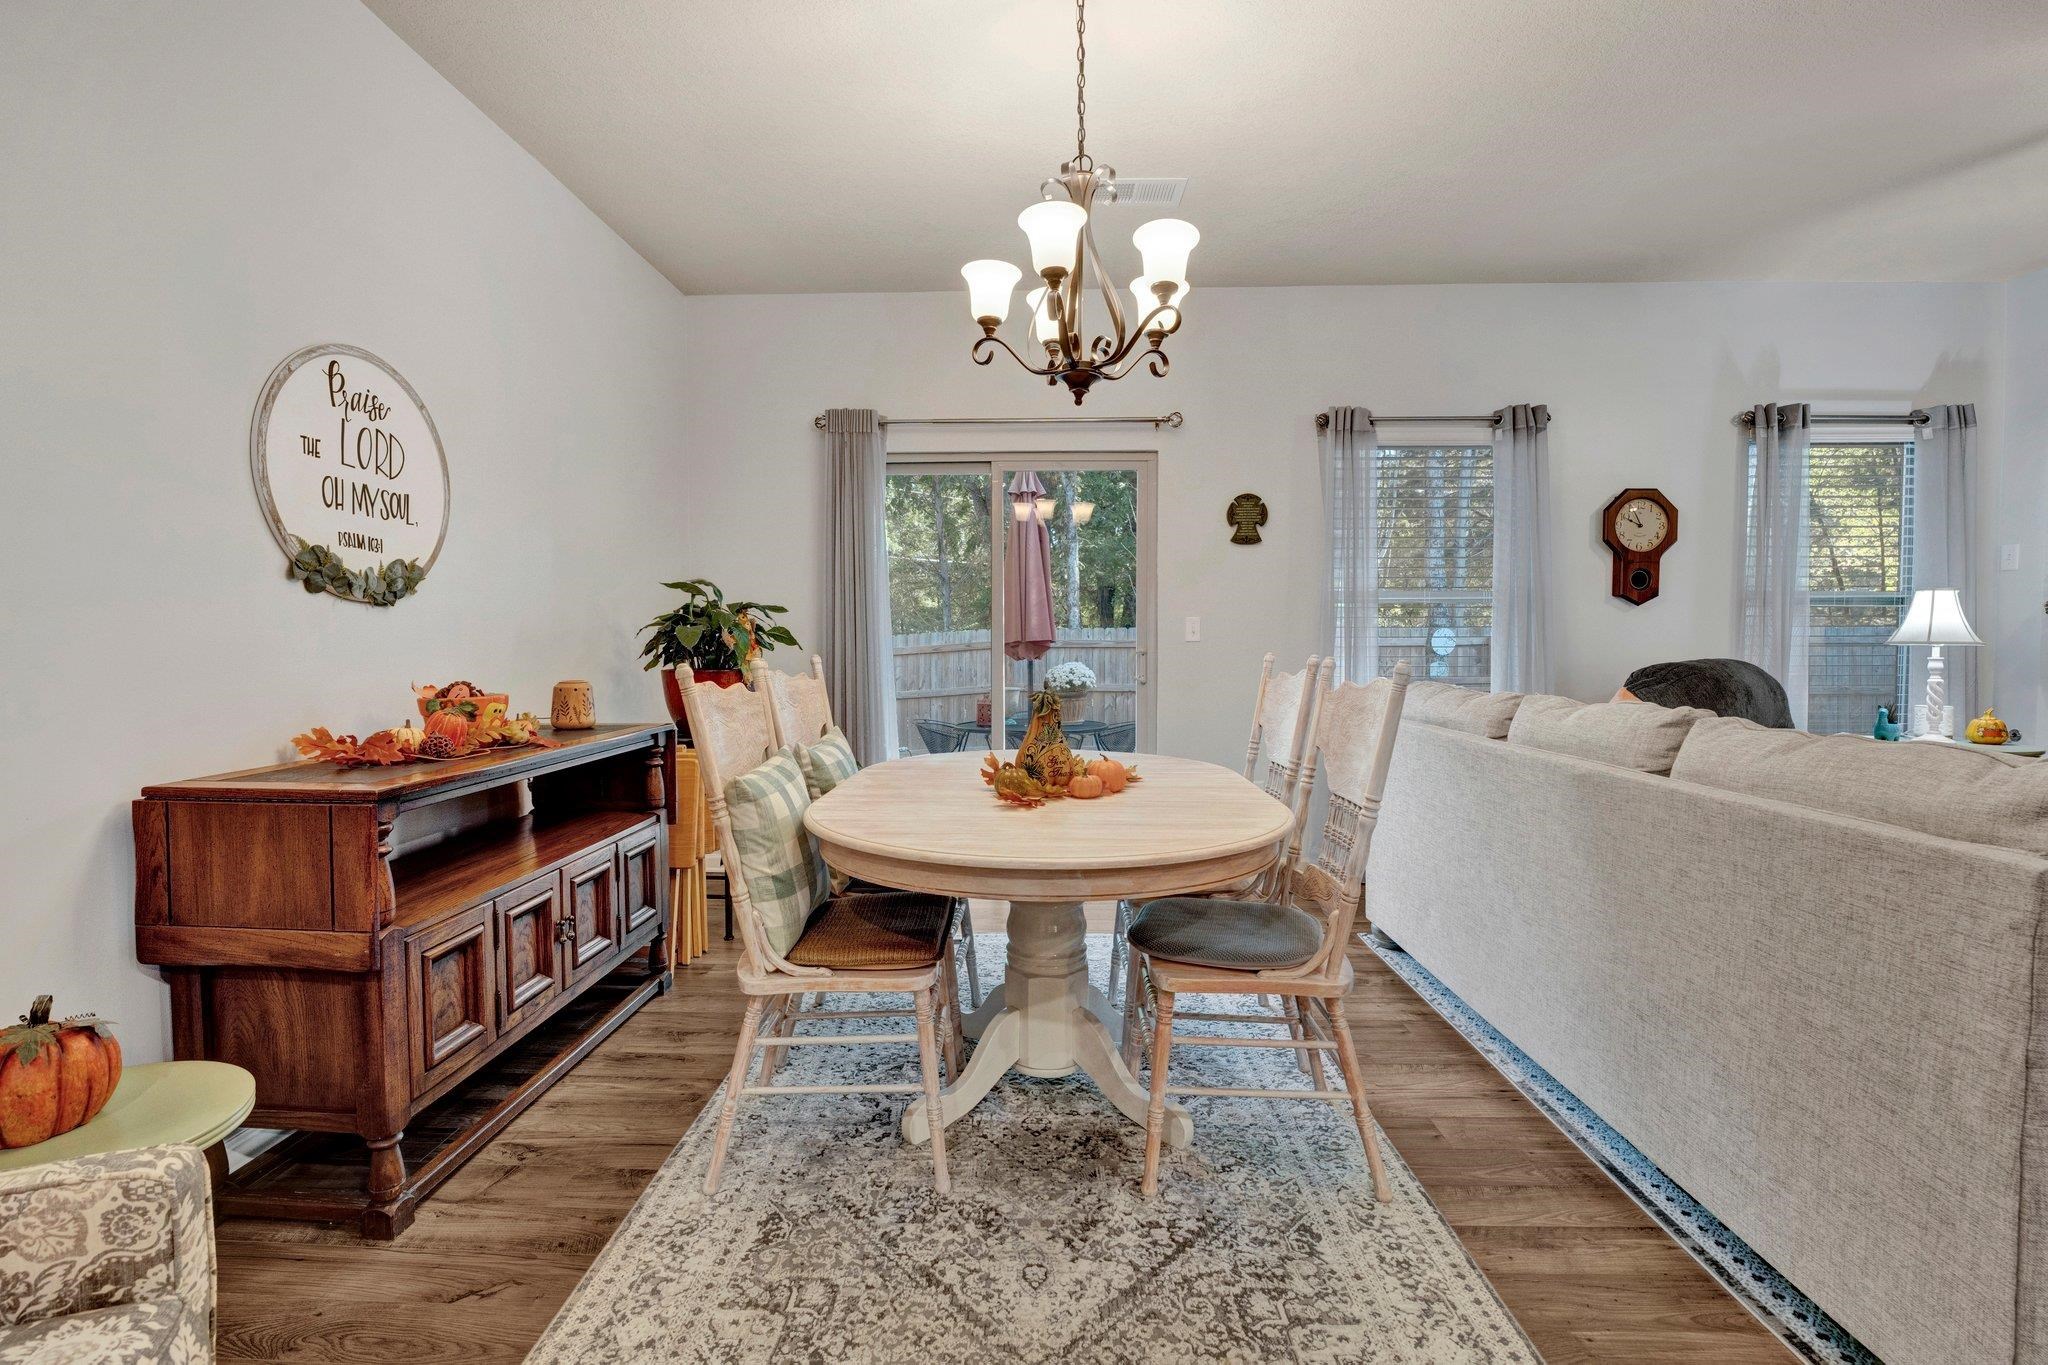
[
  {"x": 532, "y": 962},
  {"x": 449, "y": 994},
  {"x": 641, "y": 877},
  {"x": 591, "y": 884}
]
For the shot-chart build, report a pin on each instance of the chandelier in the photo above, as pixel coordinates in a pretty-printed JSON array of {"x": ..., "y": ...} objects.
[{"x": 1060, "y": 229}]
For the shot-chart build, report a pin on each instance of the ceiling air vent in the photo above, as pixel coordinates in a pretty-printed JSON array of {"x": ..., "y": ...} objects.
[{"x": 1150, "y": 192}]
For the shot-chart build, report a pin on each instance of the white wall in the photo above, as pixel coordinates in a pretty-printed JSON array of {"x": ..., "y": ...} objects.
[
  {"x": 1641, "y": 381},
  {"x": 2019, "y": 512},
  {"x": 192, "y": 192}
]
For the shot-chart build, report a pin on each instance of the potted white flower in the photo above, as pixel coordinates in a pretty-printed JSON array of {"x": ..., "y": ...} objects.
[{"x": 1071, "y": 680}]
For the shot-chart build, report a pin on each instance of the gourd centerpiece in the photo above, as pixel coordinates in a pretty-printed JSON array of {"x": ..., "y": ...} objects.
[
  {"x": 54, "y": 1075},
  {"x": 1046, "y": 767}
]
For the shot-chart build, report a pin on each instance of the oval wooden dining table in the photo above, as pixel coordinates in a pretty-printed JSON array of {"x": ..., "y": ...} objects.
[{"x": 929, "y": 823}]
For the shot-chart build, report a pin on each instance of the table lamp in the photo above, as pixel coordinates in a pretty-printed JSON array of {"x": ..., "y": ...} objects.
[{"x": 1935, "y": 617}]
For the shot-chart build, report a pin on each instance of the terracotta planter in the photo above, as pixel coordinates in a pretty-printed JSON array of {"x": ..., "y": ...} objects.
[{"x": 672, "y": 691}]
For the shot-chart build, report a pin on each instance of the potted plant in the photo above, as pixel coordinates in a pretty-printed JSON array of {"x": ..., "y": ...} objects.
[
  {"x": 714, "y": 638},
  {"x": 1071, "y": 680}
]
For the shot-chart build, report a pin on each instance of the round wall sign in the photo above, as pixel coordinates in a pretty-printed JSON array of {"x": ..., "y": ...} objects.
[{"x": 350, "y": 473}]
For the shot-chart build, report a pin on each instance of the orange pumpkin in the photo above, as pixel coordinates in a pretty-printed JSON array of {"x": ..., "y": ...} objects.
[
  {"x": 54, "y": 1076},
  {"x": 450, "y": 723},
  {"x": 1084, "y": 786},
  {"x": 1114, "y": 779}
]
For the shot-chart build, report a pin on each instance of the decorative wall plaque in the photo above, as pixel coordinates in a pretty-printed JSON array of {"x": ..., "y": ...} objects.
[
  {"x": 1246, "y": 514},
  {"x": 350, "y": 473}
]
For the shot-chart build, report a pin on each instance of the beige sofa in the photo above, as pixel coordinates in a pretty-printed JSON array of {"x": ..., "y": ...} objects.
[
  {"x": 108, "y": 1259},
  {"x": 1804, "y": 975}
]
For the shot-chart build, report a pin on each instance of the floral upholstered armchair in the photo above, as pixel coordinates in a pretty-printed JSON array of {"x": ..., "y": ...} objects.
[{"x": 108, "y": 1259}]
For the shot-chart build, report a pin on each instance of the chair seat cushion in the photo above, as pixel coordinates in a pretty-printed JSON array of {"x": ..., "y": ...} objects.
[
  {"x": 875, "y": 931},
  {"x": 1238, "y": 935}
]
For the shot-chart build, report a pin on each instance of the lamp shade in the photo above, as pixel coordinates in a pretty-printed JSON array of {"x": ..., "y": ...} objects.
[
  {"x": 1054, "y": 227},
  {"x": 989, "y": 285},
  {"x": 1045, "y": 329},
  {"x": 1935, "y": 617},
  {"x": 1141, "y": 291},
  {"x": 1165, "y": 244}
]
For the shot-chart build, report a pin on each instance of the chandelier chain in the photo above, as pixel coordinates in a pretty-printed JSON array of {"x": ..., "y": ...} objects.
[{"x": 1081, "y": 83}]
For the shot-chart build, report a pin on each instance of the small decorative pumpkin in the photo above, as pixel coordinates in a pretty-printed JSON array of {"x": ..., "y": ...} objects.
[
  {"x": 408, "y": 737},
  {"x": 1084, "y": 786},
  {"x": 1987, "y": 729},
  {"x": 451, "y": 724},
  {"x": 54, "y": 1076}
]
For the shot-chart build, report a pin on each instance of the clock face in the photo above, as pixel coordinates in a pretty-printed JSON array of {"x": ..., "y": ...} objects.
[{"x": 1641, "y": 524}]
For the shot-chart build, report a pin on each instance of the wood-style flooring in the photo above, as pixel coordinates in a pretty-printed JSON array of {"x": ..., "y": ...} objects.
[{"x": 498, "y": 1249}]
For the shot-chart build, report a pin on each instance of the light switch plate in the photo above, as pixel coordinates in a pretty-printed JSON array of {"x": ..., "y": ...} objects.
[
  {"x": 2008, "y": 558},
  {"x": 1194, "y": 629}
]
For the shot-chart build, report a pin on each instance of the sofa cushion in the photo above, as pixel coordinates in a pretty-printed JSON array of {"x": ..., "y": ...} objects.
[
  {"x": 1939, "y": 789},
  {"x": 1460, "y": 708},
  {"x": 1626, "y": 734}
]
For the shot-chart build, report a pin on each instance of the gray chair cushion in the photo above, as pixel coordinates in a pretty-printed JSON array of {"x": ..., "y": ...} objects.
[{"x": 1238, "y": 935}]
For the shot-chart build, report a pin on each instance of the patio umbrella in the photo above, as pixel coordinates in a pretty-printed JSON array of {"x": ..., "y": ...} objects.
[{"x": 1027, "y": 575}]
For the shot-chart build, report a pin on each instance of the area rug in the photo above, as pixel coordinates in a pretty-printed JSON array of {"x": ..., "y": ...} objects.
[
  {"x": 825, "y": 1241},
  {"x": 1800, "y": 1322}
]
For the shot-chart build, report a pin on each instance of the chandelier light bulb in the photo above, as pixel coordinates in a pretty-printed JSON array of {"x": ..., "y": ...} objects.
[
  {"x": 1045, "y": 329},
  {"x": 1165, "y": 244},
  {"x": 1054, "y": 227},
  {"x": 989, "y": 286},
  {"x": 1141, "y": 292}
]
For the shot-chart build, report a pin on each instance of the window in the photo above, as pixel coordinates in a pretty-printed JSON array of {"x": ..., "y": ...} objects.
[
  {"x": 1860, "y": 572},
  {"x": 1433, "y": 544}
]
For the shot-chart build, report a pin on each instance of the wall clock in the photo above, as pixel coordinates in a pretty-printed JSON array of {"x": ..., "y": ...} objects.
[
  {"x": 1638, "y": 526},
  {"x": 350, "y": 474}
]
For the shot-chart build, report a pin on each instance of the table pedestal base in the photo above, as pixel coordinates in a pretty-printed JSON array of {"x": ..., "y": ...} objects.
[{"x": 1046, "y": 1019}]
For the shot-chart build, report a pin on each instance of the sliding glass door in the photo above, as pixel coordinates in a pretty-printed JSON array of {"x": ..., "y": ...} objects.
[{"x": 1007, "y": 571}]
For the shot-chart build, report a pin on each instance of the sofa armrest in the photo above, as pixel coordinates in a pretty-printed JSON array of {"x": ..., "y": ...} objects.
[{"x": 106, "y": 1231}]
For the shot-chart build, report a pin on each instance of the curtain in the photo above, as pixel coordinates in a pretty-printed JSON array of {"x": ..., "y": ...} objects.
[
  {"x": 1521, "y": 561},
  {"x": 858, "y": 661},
  {"x": 1776, "y": 609},
  {"x": 1944, "y": 551},
  {"x": 1351, "y": 586}
]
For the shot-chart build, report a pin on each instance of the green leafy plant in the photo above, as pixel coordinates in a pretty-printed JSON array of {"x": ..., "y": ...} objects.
[
  {"x": 707, "y": 632},
  {"x": 321, "y": 570}
]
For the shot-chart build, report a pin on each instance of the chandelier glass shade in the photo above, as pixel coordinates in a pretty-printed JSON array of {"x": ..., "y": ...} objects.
[{"x": 1060, "y": 231}]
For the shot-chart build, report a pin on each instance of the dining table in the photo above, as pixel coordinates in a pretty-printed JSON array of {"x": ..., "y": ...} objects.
[{"x": 930, "y": 823}]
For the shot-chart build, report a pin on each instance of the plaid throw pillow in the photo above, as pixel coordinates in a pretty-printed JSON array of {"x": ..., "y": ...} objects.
[
  {"x": 784, "y": 876},
  {"x": 828, "y": 762}
]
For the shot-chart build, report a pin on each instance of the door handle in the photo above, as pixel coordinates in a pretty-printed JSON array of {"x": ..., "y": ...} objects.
[{"x": 1144, "y": 672}]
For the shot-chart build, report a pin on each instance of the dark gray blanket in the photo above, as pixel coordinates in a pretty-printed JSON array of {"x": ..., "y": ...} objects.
[{"x": 1727, "y": 687}]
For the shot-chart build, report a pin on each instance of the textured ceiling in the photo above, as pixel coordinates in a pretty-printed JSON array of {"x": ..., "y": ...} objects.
[{"x": 826, "y": 145}]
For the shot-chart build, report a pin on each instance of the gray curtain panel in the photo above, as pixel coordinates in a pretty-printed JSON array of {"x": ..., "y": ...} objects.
[
  {"x": 1521, "y": 558},
  {"x": 1776, "y": 603},
  {"x": 858, "y": 660},
  {"x": 1350, "y": 589},
  {"x": 1944, "y": 550}
]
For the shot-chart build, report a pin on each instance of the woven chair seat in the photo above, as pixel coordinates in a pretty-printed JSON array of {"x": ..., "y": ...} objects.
[
  {"x": 1231, "y": 934},
  {"x": 875, "y": 931}
]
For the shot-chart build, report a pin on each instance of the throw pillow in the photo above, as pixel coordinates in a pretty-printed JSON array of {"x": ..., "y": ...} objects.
[
  {"x": 779, "y": 862},
  {"x": 828, "y": 762}
]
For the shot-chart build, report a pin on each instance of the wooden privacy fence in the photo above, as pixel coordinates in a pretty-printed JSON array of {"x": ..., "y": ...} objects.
[{"x": 940, "y": 675}]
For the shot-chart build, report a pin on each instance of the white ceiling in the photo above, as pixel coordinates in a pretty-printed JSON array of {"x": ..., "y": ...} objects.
[{"x": 756, "y": 146}]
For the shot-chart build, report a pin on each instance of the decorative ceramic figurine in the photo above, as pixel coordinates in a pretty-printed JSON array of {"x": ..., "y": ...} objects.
[
  {"x": 1884, "y": 729},
  {"x": 573, "y": 708},
  {"x": 1987, "y": 729}
]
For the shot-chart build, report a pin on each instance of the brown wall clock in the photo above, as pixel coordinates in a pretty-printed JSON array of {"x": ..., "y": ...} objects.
[{"x": 1638, "y": 526}]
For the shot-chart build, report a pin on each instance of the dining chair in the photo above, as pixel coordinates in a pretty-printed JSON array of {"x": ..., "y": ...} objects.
[
  {"x": 1280, "y": 728},
  {"x": 800, "y": 707},
  {"x": 855, "y": 943},
  {"x": 943, "y": 736},
  {"x": 1291, "y": 944}
]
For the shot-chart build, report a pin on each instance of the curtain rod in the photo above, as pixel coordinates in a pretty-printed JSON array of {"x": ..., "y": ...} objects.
[
  {"x": 1171, "y": 419},
  {"x": 1479, "y": 418},
  {"x": 1916, "y": 418}
]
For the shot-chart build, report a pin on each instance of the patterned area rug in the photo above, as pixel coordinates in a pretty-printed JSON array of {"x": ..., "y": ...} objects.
[{"x": 825, "y": 1241}]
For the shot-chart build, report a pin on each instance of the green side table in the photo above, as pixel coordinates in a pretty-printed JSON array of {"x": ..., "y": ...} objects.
[{"x": 156, "y": 1103}]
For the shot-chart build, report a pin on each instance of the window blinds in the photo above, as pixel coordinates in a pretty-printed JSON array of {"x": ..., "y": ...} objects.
[
  {"x": 1434, "y": 553},
  {"x": 1860, "y": 572}
]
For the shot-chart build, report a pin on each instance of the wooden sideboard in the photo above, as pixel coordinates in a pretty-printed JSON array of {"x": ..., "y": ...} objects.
[{"x": 365, "y": 941}]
